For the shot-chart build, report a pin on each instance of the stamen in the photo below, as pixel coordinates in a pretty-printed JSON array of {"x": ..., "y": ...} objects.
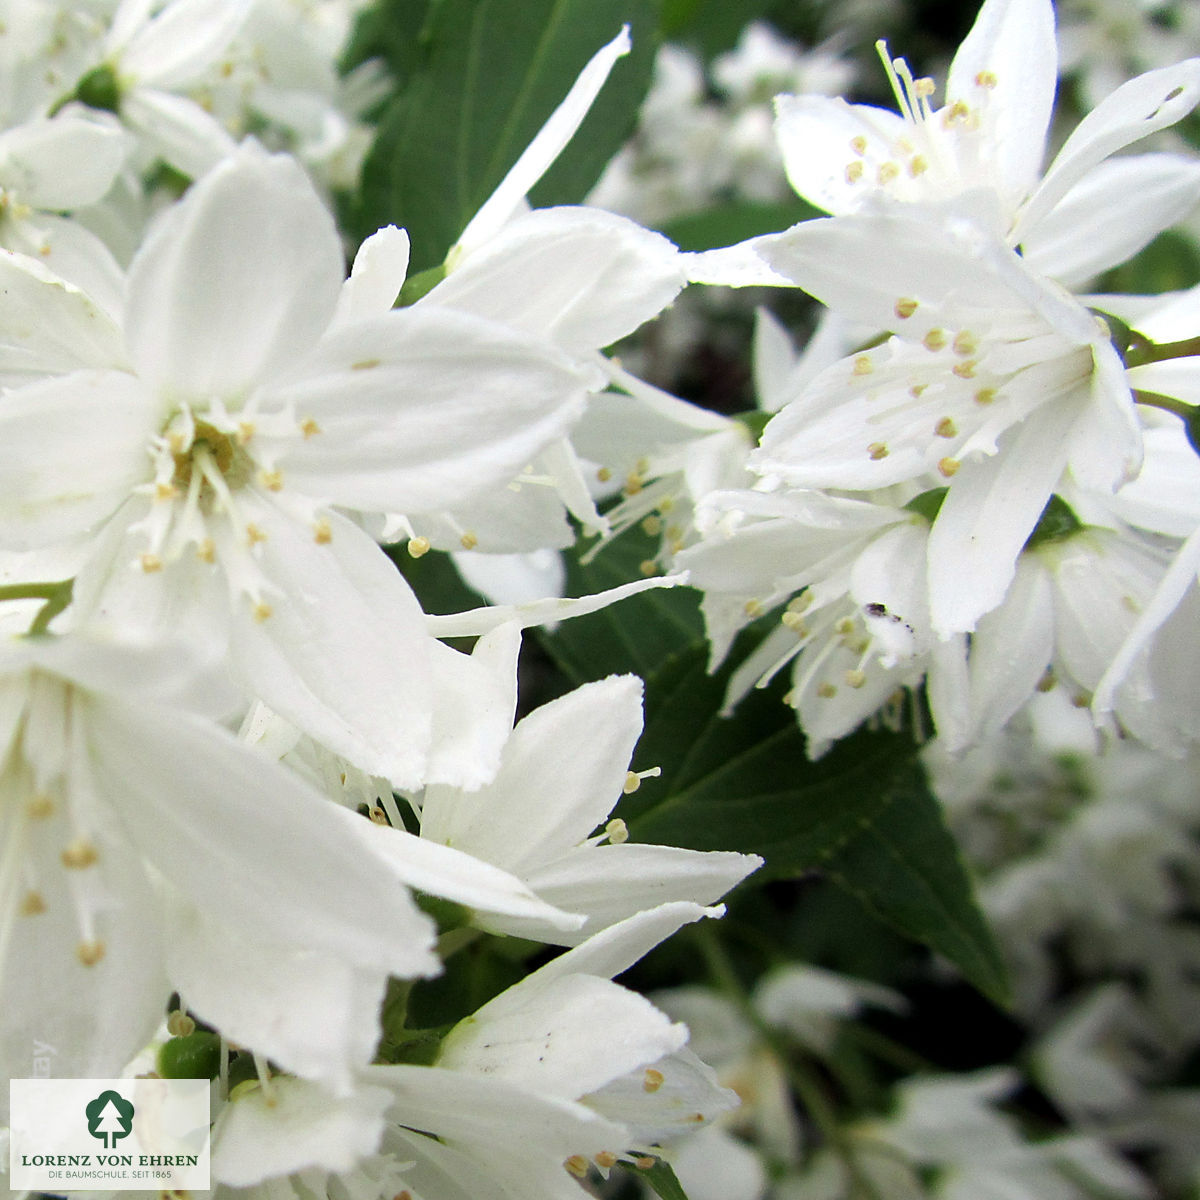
[
  {"x": 946, "y": 428},
  {"x": 418, "y": 547},
  {"x": 985, "y": 395},
  {"x": 652, "y": 1080},
  {"x": 863, "y": 365},
  {"x": 577, "y": 1165},
  {"x": 617, "y": 832},
  {"x": 877, "y": 451},
  {"x": 855, "y": 678},
  {"x": 948, "y": 466},
  {"x": 905, "y": 307},
  {"x": 322, "y": 532},
  {"x": 633, "y": 779},
  {"x": 309, "y": 427},
  {"x": 935, "y": 340},
  {"x": 859, "y": 145},
  {"x": 854, "y": 172},
  {"x": 79, "y": 854},
  {"x": 32, "y": 903},
  {"x": 90, "y": 953}
]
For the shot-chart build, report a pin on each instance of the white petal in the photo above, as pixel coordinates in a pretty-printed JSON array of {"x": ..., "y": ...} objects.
[
  {"x": 182, "y": 40},
  {"x": 989, "y": 512},
  {"x": 311, "y": 1012},
  {"x": 1105, "y": 442},
  {"x": 293, "y": 1126},
  {"x": 423, "y": 409},
  {"x": 70, "y": 252},
  {"x": 177, "y": 130},
  {"x": 49, "y": 326},
  {"x": 344, "y": 654},
  {"x": 1165, "y": 497},
  {"x": 815, "y": 135},
  {"x": 1013, "y": 41},
  {"x": 73, "y": 448},
  {"x": 1110, "y": 214},
  {"x": 235, "y": 282},
  {"x": 1142, "y": 106},
  {"x": 561, "y": 774},
  {"x": 475, "y": 699},
  {"x": 1179, "y": 377},
  {"x": 742, "y": 265},
  {"x": 376, "y": 277},
  {"x": 249, "y": 843},
  {"x": 569, "y": 1038},
  {"x": 62, "y": 163},
  {"x": 546, "y": 146},
  {"x": 600, "y": 276},
  {"x": 610, "y": 883}
]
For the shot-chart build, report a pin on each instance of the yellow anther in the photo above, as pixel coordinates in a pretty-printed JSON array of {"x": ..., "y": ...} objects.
[
  {"x": 877, "y": 450},
  {"x": 254, "y": 534},
  {"x": 378, "y": 816},
  {"x": 826, "y": 691},
  {"x": 948, "y": 466},
  {"x": 855, "y": 678},
  {"x": 965, "y": 343},
  {"x": 322, "y": 532},
  {"x": 918, "y": 165},
  {"x": 418, "y": 546},
  {"x": 632, "y": 783},
  {"x": 1048, "y": 681},
  {"x": 854, "y": 172},
  {"x": 652, "y": 526},
  {"x": 206, "y": 551},
  {"x": 577, "y": 1165},
  {"x": 165, "y": 491},
  {"x": 801, "y": 603},
  {"x": 79, "y": 854},
  {"x": 795, "y": 622},
  {"x": 955, "y": 114},
  {"x": 39, "y": 807},
  {"x": 863, "y": 364},
  {"x": 652, "y": 1080},
  {"x": 644, "y": 1162},
  {"x": 617, "y": 831},
  {"x": 90, "y": 953},
  {"x": 648, "y": 567},
  {"x": 245, "y": 431},
  {"x": 468, "y": 541},
  {"x": 271, "y": 480},
  {"x": 935, "y": 339},
  {"x": 1081, "y": 700},
  {"x": 179, "y": 1024},
  {"x": 887, "y": 172},
  {"x": 844, "y": 627},
  {"x": 753, "y": 608},
  {"x": 365, "y": 365},
  {"x": 309, "y": 427},
  {"x": 924, "y": 87},
  {"x": 32, "y": 903},
  {"x": 917, "y": 389},
  {"x": 986, "y": 79},
  {"x": 946, "y": 428},
  {"x": 966, "y": 369},
  {"x": 261, "y": 611},
  {"x": 665, "y": 505},
  {"x": 859, "y": 145},
  {"x": 605, "y": 1159},
  {"x": 151, "y": 563},
  {"x": 905, "y": 307},
  {"x": 985, "y": 395},
  {"x": 604, "y": 474}
]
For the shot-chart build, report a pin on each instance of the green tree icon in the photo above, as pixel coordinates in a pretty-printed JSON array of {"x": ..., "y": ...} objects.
[{"x": 109, "y": 1117}]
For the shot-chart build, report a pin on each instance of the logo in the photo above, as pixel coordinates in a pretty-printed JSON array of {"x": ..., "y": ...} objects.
[
  {"x": 109, "y": 1118},
  {"x": 106, "y": 1135}
]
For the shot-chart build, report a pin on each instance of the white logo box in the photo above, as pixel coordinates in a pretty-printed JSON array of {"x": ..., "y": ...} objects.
[{"x": 93, "y": 1135}]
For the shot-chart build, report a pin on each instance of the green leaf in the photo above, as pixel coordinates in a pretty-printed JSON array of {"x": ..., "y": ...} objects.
[
  {"x": 490, "y": 75},
  {"x": 661, "y": 1177},
  {"x": 637, "y": 634},
  {"x": 730, "y": 223},
  {"x": 393, "y": 31},
  {"x": 862, "y": 815}
]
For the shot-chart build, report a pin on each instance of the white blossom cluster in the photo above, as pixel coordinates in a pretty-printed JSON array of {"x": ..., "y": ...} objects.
[
  {"x": 975, "y": 476},
  {"x": 237, "y": 763}
]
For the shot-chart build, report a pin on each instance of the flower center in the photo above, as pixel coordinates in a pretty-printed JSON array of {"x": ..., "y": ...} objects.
[{"x": 210, "y": 453}]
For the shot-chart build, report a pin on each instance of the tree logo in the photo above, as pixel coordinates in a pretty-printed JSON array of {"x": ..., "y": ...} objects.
[{"x": 109, "y": 1117}]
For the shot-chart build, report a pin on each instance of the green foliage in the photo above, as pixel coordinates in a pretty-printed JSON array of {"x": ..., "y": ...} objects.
[
  {"x": 862, "y": 815},
  {"x": 482, "y": 79},
  {"x": 1169, "y": 263},
  {"x": 194, "y": 1056},
  {"x": 661, "y": 1177}
]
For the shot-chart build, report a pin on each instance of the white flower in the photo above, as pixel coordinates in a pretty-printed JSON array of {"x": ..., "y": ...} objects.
[
  {"x": 143, "y": 849},
  {"x": 995, "y": 383},
  {"x": 242, "y": 403},
  {"x": 560, "y": 774}
]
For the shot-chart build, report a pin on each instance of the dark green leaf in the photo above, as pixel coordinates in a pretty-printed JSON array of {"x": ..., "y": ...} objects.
[
  {"x": 491, "y": 73},
  {"x": 391, "y": 30},
  {"x": 730, "y": 223},
  {"x": 862, "y": 814},
  {"x": 639, "y": 633},
  {"x": 661, "y": 1177}
]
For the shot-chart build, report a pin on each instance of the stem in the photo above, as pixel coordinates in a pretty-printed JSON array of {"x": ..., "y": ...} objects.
[
  {"x": 56, "y": 595},
  {"x": 1167, "y": 403},
  {"x": 451, "y": 942},
  {"x": 1141, "y": 350}
]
